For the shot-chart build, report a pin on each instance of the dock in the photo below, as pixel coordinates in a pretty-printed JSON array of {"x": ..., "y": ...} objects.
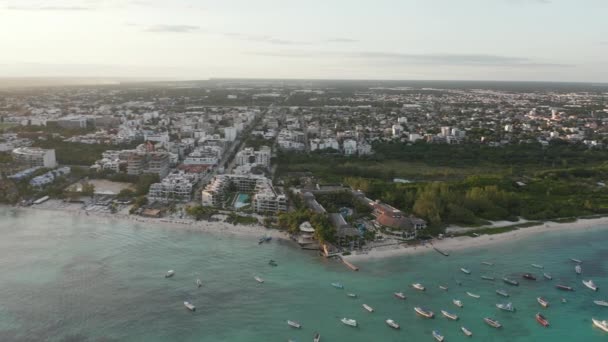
[{"x": 349, "y": 265}]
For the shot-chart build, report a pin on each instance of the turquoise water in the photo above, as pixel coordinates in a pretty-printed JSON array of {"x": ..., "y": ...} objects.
[
  {"x": 71, "y": 279},
  {"x": 241, "y": 201}
]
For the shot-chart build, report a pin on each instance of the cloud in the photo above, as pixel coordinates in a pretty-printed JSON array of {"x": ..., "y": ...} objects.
[
  {"x": 261, "y": 38},
  {"x": 341, "y": 40},
  {"x": 48, "y": 8},
  {"x": 529, "y": 2},
  {"x": 171, "y": 28}
]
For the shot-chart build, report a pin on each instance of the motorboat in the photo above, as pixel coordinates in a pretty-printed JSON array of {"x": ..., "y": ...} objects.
[
  {"x": 438, "y": 336},
  {"x": 488, "y": 278},
  {"x": 578, "y": 269},
  {"x": 261, "y": 240},
  {"x": 392, "y": 324},
  {"x": 399, "y": 295},
  {"x": 547, "y": 276},
  {"x": 590, "y": 284},
  {"x": 449, "y": 315},
  {"x": 492, "y": 322},
  {"x": 543, "y": 302},
  {"x": 294, "y": 324},
  {"x": 199, "y": 283},
  {"x": 502, "y": 293},
  {"x": 529, "y": 276},
  {"x": 349, "y": 321},
  {"x": 487, "y": 263},
  {"x": 424, "y": 312},
  {"x": 600, "y": 324},
  {"x": 458, "y": 303},
  {"x": 418, "y": 287},
  {"x": 368, "y": 308},
  {"x": 170, "y": 274},
  {"x": 258, "y": 279},
  {"x": 564, "y": 287},
  {"x": 444, "y": 288},
  {"x": 576, "y": 260},
  {"x": 600, "y": 302},
  {"x": 466, "y": 331},
  {"x": 470, "y": 294},
  {"x": 317, "y": 337},
  {"x": 506, "y": 307},
  {"x": 510, "y": 281},
  {"x": 538, "y": 266},
  {"x": 542, "y": 320},
  {"x": 351, "y": 295},
  {"x": 273, "y": 263},
  {"x": 190, "y": 306},
  {"x": 465, "y": 271},
  {"x": 337, "y": 285}
]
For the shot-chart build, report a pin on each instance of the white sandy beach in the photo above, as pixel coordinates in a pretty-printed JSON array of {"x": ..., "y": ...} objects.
[{"x": 463, "y": 242}]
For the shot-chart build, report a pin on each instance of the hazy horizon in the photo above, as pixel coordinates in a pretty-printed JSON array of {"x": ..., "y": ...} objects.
[{"x": 509, "y": 40}]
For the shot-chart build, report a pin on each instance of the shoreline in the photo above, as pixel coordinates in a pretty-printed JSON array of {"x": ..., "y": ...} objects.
[{"x": 465, "y": 242}]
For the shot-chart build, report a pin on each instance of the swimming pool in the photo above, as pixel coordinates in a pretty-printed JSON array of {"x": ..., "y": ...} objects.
[{"x": 242, "y": 200}]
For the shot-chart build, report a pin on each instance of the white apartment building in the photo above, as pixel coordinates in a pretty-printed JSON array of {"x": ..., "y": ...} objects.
[
  {"x": 264, "y": 199},
  {"x": 175, "y": 187},
  {"x": 230, "y": 133},
  {"x": 34, "y": 156},
  {"x": 350, "y": 147},
  {"x": 250, "y": 156}
]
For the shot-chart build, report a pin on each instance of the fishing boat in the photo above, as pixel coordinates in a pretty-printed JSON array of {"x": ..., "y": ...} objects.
[
  {"x": 392, "y": 324},
  {"x": 466, "y": 331},
  {"x": 457, "y": 302},
  {"x": 564, "y": 300},
  {"x": 488, "y": 278},
  {"x": 438, "y": 336},
  {"x": 190, "y": 306},
  {"x": 542, "y": 320},
  {"x": 600, "y": 302},
  {"x": 170, "y": 274},
  {"x": 487, "y": 263},
  {"x": 349, "y": 321},
  {"x": 529, "y": 276},
  {"x": 502, "y": 293},
  {"x": 590, "y": 284},
  {"x": 294, "y": 324},
  {"x": 261, "y": 240},
  {"x": 317, "y": 337},
  {"x": 368, "y": 308},
  {"x": 547, "y": 276},
  {"x": 444, "y": 288},
  {"x": 538, "y": 266},
  {"x": 543, "y": 302},
  {"x": 199, "y": 283},
  {"x": 506, "y": 307},
  {"x": 576, "y": 260},
  {"x": 600, "y": 324},
  {"x": 473, "y": 295},
  {"x": 351, "y": 295},
  {"x": 337, "y": 285},
  {"x": 578, "y": 269},
  {"x": 399, "y": 295},
  {"x": 424, "y": 312},
  {"x": 564, "y": 287},
  {"x": 258, "y": 279},
  {"x": 418, "y": 287},
  {"x": 273, "y": 263},
  {"x": 449, "y": 315},
  {"x": 510, "y": 281},
  {"x": 492, "y": 322},
  {"x": 465, "y": 271}
]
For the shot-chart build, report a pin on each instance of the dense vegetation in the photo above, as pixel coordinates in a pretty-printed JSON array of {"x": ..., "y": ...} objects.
[
  {"x": 69, "y": 153},
  {"x": 291, "y": 221}
]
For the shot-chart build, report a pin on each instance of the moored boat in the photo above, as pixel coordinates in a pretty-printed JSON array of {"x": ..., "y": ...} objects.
[
  {"x": 317, "y": 337},
  {"x": 399, "y": 295},
  {"x": 502, "y": 293},
  {"x": 492, "y": 322},
  {"x": 578, "y": 269},
  {"x": 506, "y": 307},
  {"x": 484, "y": 277},
  {"x": 418, "y": 287},
  {"x": 542, "y": 320},
  {"x": 444, "y": 288},
  {"x": 190, "y": 306},
  {"x": 457, "y": 302},
  {"x": 487, "y": 263},
  {"x": 465, "y": 271},
  {"x": 543, "y": 302},
  {"x": 547, "y": 276},
  {"x": 576, "y": 260},
  {"x": 449, "y": 315},
  {"x": 590, "y": 284},
  {"x": 337, "y": 285},
  {"x": 199, "y": 283},
  {"x": 510, "y": 281},
  {"x": 466, "y": 331},
  {"x": 351, "y": 295},
  {"x": 437, "y": 335},
  {"x": 392, "y": 324},
  {"x": 529, "y": 276},
  {"x": 600, "y": 324},
  {"x": 349, "y": 321},
  {"x": 272, "y": 263},
  {"x": 424, "y": 312},
  {"x": 470, "y": 294},
  {"x": 368, "y": 308},
  {"x": 294, "y": 324},
  {"x": 564, "y": 287},
  {"x": 258, "y": 279},
  {"x": 538, "y": 266},
  {"x": 170, "y": 274},
  {"x": 600, "y": 302}
]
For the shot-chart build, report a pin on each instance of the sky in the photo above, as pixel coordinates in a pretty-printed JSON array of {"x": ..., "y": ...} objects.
[{"x": 517, "y": 40}]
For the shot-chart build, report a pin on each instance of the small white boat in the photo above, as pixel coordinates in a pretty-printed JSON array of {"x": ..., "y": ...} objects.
[
  {"x": 465, "y": 271},
  {"x": 424, "y": 312},
  {"x": 399, "y": 295},
  {"x": 488, "y": 264},
  {"x": 458, "y": 303},
  {"x": 578, "y": 269},
  {"x": 199, "y": 283},
  {"x": 502, "y": 293},
  {"x": 466, "y": 331},
  {"x": 576, "y": 260},
  {"x": 294, "y": 324},
  {"x": 317, "y": 337},
  {"x": 449, "y": 315},
  {"x": 418, "y": 287},
  {"x": 473, "y": 295},
  {"x": 600, "y": 324},
  {"x": 547, "y": 276},
  {"x": 444, "y": 288},
  {"x": 392, "y": 324},
  {"x": 543, "y": 302},
  {"x": 349, "y": 322},
  {"x": 484, "y": 277},
  {"x": 492, "y": 322},
  {"x": 438, "y": 336},
  {"x": 590, "y": 284},
  {"x": 190, "y": 306},
  {"x": 600, "y": 302},
  {"x": 258, "y": 279},
  {"x": 351, "y": 295},
  {"x": 337, "y": 285},
  {"x": 538, "y": 266},
  {"x": 368, "y": 308},
  {"x": 506, "y": 307},
  {"x": 170, "y": 274}
]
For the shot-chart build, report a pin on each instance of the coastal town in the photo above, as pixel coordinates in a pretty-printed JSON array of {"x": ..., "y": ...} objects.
[{"x": 219, "y": 150}]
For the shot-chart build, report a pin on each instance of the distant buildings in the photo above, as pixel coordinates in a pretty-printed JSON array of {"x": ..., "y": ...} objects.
[
  {"x": 264, "y": 199},
  {"x": 34, "y": 156},
  {"x": 49, "y": 177},
  {"x": 250, "y": 156},
  {"x": 134, "y": 162},
  {"x": 176, "y": 187}
]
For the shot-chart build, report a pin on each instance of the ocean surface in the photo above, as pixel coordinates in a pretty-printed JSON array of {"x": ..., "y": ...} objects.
[{"x": 81, "y": 279}]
